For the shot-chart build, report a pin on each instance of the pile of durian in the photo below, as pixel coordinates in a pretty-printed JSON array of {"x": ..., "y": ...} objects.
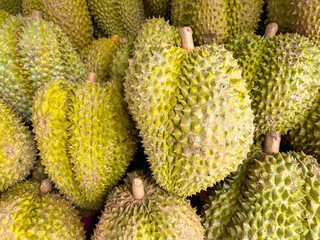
[{"x": 159, "y": 119}]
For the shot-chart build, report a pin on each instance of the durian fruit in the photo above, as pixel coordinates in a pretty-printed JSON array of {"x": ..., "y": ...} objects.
[
  {"x": 216, "y": 20},
  {"x": 191, "y": 107},
  {"x": 3, "y": 16},
  {"x": 139, "y": 209},
  {"x": 271, "y": 196},
  {"x": 33, "y": 52},
  {"x": 71, "y": 15},
  {"x": 17, "y": 149},
  {"x": 117, "y": 16},
  {"x": 158, "y": 8},
  {"x": 85, "y": 137},
  {"x": 282, "y": 76},
  {"x": 305, "y": 136},
  {"x": 98, "y": 56},
  {"x": 30, "y": 211},
  {"x": 11, "y": 6},
  {"x": 281, "y": 12}
]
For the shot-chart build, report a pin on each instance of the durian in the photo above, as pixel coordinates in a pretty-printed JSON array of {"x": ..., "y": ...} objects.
[
  {"x": 118, "y": 16},
  {"x": 191, "y": 107},
  {"x": 30, "y": 211},
  {"x": 139, "y": 209},
  {"x": 17, "y": 149},
  {"x": 85, "y": 137},
  {"x": 216, "y": 20}
]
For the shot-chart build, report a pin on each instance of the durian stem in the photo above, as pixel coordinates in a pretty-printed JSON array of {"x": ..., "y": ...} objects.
[
  {"x": 137, "y": 188},
  {"x": 46, "y": 186},
  {"x": 115, "y": 37},
  {"x": 37, "y": 15},
  {"x": 271, "y": 142},
  {"x": 91, "y": 77},
  {"x": 186, "y": 38},
  {"x": 271, "y": 30}
]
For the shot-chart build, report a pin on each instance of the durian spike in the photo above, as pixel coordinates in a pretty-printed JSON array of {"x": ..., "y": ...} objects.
[
  {"x": 37, "y": 15},
  {"x": 271, "y": 30},
  {"x": 271, "y": 142},
  {"x": 137, "y": 188},
  {"x": 91, "y": 77},
  {"x": 186, "y": 38},
  {"x": 115, "y": 37},
  {"x": 46, "y": 186}
]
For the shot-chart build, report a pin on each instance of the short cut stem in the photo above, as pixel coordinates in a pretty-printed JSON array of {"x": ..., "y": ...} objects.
[
  {"x": 186, "y": 38},
  {"x": 46, "y": 186},
  {"x": 271, "y": 30},
  {"x": 137, "y": 188},
  {"x": 271, "y": 142},
  {"x": 37, "y": 15},
  {"x": 91, "y": 77}
]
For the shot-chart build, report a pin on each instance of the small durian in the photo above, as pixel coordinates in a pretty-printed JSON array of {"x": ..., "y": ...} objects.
[
  {"x": 17, "y": 149},
  {"x": 191, "y": 106},
  {"x": 85, "y": 137},
  {"x": 30, "y": 211},
  {"x": 139, "y": 209}
]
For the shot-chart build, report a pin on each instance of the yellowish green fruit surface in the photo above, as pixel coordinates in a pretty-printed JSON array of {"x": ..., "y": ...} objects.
[
  {"x": 17, "y": 149},
  {"x": 25, "y": 213},
  {"x": 158, "y": 215},
  {"x": 11, "y": 6},
  {"x": 3, "y": 16}
]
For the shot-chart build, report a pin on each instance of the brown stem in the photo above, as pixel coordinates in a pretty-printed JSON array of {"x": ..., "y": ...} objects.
[
  {"x": 271, "y": 30},
  {"x": 91, "y": 77},
  {"x": 115, "y": 37},
  {"x": 271, "y": 142},
  {"x": 186, "y": 38},
  {"x": 46, "y": 186},
  {"x": 137, "y": 188},
  {"x": 37, "y": 15}
]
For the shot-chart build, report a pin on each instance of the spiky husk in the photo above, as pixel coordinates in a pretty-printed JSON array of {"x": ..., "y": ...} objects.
[
  {"x": 271, "y": 196},
  {"x": 117, "y": 16},
  {"x": 26, "y": 214},
  {"x": 17, "y": 149},
  {"x": 85, "y": 138},
  {"x": 3, "y": 16},
  {"x": 11, "y": 6},
  {"x": 216, "y": 21},
  {"x": 192, "y": 110},
  {"x": 158, "y": 215}
]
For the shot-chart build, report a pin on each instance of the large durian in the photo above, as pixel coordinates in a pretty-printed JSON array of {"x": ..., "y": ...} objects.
[
  {"x": 216, "y": 20},
  {"x": 72, "y": 16},
  {"x": 85, "y": 137},
  {"x": 191, "y": 107},
  {"x": 282, "y": 74},
  {"x": 272, "y": 196},
  {"x": 17, "y": 149},
  {"x": 139, "y": 209},
  {"x": 33, "y": 52},
  {"x": 30, "y": 211},
  {"x": 117, "y": 16}
]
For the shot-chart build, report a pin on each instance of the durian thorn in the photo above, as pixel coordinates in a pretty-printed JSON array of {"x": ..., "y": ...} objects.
[
  {"x": 46, "y": 186},
  {"x": 91, "y": 77},
  {"x": 37, "y": 15},
  {"x": 137, "y": 188},
  {"x": 271, "y": 30},
  {"x": 271, "y": 142},
  {"x": 186, "y": 38},
  {"x": 115, "y": 37}
]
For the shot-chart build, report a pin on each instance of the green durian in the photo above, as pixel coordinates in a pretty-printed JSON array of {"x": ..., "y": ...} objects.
[
  {"x": 3, "y": 16},
  {"x": 33, "y": 52},
  {"x": 305, "y": 136},
  {"x": 29, "y": 211},
  {"x": 139, "y": 209},
  {"x": 191, "y": 107},
  {"x": 270, "y": 197},
  {"x": 216, "y": 20},
  {"x": 17, "y": 149},
  {"x": 281, "y": 12},
  {"x": 85, "y": 137},
  {"x": 158, "y": 8},
  {"x": 117, "y": 16},
  {"x": 282, "y": 76},
  {"x": 11, "y": 6},
  {"x": 72, "y": 16}
]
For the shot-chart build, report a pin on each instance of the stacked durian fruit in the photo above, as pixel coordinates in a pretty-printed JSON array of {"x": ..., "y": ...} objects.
[{"x": 149, "y": 119}]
